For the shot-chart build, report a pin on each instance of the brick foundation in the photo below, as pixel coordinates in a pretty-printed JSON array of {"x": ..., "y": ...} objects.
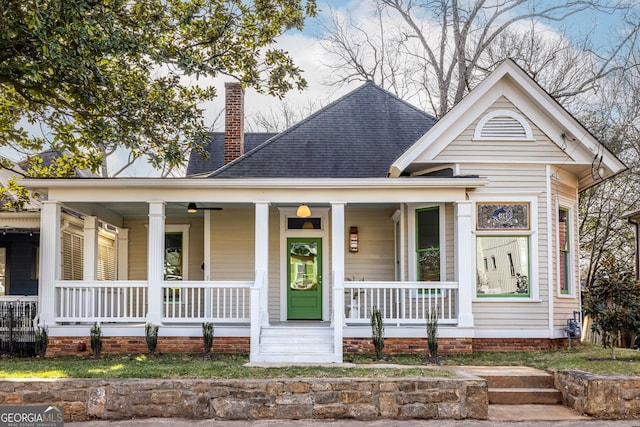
[
  {"x": 518, "y": 344},
  {"x": 407, "y": 346},
  {"x": 69, "y": 346}
]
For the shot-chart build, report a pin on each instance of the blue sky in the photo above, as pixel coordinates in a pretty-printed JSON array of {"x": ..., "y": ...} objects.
[{"x": 307, "y": 53}]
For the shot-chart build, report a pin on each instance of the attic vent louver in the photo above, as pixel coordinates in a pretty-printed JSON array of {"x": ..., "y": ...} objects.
[{"x": 503, "y": 125}]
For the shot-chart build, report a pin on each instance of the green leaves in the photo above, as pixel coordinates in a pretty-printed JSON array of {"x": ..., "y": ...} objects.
[
  {"x": 99, "y": 77},
  {"x": 612, "y": 301}
]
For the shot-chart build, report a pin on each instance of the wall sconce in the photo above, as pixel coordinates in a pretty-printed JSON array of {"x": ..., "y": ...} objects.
[
  {"x": 353, "y": 239},
  {"x": 303, "y": 211},
  {"x": 193, "y": 208}
]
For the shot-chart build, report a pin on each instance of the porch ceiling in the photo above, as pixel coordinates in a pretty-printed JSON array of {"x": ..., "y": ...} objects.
[{"x": 179, "y": 209}]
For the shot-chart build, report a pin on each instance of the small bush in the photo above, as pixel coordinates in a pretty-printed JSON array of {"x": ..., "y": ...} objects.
[
  {"x": 42, "y": 340},
  {"x": 207, "y": 336},
  {"x": 432, "y": 335},
  {"x": 151, "y": 336},
  {"x": 377, "y": 331},
  {"x": 96, "y": 340}
]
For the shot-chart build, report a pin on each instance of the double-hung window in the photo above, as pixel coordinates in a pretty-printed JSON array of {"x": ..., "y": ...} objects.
[
  {"x": 428, "y": 250},
  {"x": 564, "y": 250}
]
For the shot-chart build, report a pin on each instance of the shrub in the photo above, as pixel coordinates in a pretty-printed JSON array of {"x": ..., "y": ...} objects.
[
  {"x": 432, "y": 334},
  {"x": 151, "y": 336},
  {"x": 207, "y": 336},
  {"x": 42, "y": 340},
  {"x": 377, "y": 331},
  {"x": 612, "y": 301},
  {"x": 96, "y": 340}
]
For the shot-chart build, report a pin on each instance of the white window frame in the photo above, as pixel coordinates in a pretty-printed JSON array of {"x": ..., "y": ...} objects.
[
  {"x": 532, "y": 233},
  {"x": 184, "y": 229},
  {"x": 564, "y": 203},
  {"x": 413, "y": 263}
]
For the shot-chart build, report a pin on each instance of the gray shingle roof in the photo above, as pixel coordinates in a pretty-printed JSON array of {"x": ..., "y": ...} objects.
[
  {"x": 357, "y": 136},
  {"x": 198, "y": 165}
]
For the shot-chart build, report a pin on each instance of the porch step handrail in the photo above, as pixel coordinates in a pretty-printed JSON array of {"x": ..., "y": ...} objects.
[{"x": 401, "y": 302}]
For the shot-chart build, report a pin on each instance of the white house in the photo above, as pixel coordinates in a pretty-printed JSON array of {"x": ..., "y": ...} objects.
[{"x": 473, "y": 217}]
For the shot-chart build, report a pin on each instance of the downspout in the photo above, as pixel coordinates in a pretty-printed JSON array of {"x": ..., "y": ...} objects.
[{"x": 550, "y": 271}]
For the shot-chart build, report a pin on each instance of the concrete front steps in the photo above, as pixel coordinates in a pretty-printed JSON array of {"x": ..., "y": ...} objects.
[
  {"x": 517, "y": 385},
  {"x": 297, "y": 342}
]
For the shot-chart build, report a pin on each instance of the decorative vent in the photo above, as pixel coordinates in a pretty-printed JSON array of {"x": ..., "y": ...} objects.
[{"x": 503, "y": 125}]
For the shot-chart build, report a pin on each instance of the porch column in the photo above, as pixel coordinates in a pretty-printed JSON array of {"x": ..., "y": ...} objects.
[
  {"x": 206, "y": 263},
  {"x": 337, "y": 262},
  {"x": 155, "y": 262},
  {"x": 90, "y": 266},
  {"x": 465, "y": 265},
  {"x": 49, "y": 261},
  {"x": 262, "y": 259},
  {"x": 123, "y": 254}
]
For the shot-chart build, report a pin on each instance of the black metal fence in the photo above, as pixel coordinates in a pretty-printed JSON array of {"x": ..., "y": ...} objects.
[{"x": 17, "y": 327}]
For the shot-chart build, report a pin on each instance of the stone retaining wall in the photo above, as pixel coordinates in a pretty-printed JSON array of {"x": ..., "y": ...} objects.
[
  {"x": 606, "y": 396},
  {"x": 357, "y": 398}
]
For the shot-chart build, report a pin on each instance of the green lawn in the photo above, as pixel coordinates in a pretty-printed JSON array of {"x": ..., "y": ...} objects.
[{"x": 586, "y": 357}]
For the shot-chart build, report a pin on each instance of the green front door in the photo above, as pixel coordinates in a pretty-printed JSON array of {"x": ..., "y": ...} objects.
[{"x": 304, "y": 273}]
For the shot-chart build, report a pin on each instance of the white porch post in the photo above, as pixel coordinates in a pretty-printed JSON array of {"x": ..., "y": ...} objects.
[
  {"x": 262, "y": 258},
  {"x": 155, "y": 262},
  {"x": 90, "y": 266},
  {"x": 49, "y": 260},
  {"x": 259, "y": 313},
  {"x": 206, "y": 263},
  {"x": 123, "y": 254},
  {"x": 465, "y": 265},
  {"x": 337, "y": 261}
]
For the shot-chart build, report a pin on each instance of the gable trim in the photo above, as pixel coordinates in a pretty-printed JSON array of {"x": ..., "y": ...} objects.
[{"x": 479, "y": 99}]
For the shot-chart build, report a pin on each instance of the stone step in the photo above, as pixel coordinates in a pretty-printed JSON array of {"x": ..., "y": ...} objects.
[
  {"x": 296, "y": 348},
  {"x": 288, "y": 358},
  {"x": 296, "y": 331},
  {"x": 523, "y": 396},
  {"x": 529, "y": 380}
]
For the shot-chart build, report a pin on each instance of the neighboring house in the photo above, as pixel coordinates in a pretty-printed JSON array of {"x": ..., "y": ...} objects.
[
  {"x": 20, "y": 253},
  {"x": 368, "y": 203}
]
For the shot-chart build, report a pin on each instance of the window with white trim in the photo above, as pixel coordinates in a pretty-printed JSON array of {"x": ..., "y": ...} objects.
[
  {"x": 428, "y": 251},
  {"x": 503, "y": 235},
  {"x": 564, "y": 250},
  {"x": 176, "y": 252}
]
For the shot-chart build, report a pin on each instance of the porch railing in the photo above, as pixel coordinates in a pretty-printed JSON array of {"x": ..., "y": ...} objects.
[
  {"x": 101, "y": 301},
  {"x": 401, "y": 303},
  {"x": 128, "y": 301},
  {"x": 196, "y": 301}
]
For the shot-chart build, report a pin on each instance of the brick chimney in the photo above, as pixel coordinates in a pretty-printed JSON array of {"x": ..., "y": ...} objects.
[{"x": 233, "y": 121}]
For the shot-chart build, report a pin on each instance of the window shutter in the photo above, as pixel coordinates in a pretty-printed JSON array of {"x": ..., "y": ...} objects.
[
  {"x": 72, "y": 256},
  {"x": 106, "y": 259}
]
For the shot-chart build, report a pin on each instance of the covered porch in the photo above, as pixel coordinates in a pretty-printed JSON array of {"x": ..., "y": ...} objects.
[{"x": 255, "y": 301}]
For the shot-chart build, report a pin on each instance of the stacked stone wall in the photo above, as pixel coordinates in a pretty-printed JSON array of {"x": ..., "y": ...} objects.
[
  {"x": 246, "y": 399},
  {"x": 604, "y": 396}
]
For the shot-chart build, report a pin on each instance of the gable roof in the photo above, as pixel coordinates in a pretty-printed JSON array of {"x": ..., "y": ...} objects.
[
  {"x": 215, "y": 147},
  {"x": 582, "y": 148},
  {"x": 356, "y": 136}
]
